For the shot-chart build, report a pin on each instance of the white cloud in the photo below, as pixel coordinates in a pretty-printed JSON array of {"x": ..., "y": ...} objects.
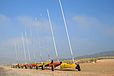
[
  {"x": 109, "y": 31},
  {"x": 86, "y": 21},
  {"x": 41, "y": 24},
  {"x": 94, "y": 23},
  {"x": 4, "y": 20},
  {"x": 16, "y": 41},
  {"x": 31, "y": 21}
]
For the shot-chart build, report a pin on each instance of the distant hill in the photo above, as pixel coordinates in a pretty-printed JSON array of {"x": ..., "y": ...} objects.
[{"x": 100, "y": 54}]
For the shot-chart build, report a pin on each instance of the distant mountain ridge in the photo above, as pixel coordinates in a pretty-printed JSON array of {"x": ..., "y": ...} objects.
[{"x": 100, "y": 54}]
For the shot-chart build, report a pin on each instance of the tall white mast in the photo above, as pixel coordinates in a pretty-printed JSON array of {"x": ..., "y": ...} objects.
[
  {"x": 47, "y": 49},
  {"x": 52, "y": 34},
  {"x": 24, "y": 48},
  {"x": 39, "y": 46},
  {"x": 32, "y": 40},
  {"x": 27, "y": 46},
  {"x": 40, "y": 54},
  {"x": 16, "y": 49},
  {"x": 66, "y": 29}
]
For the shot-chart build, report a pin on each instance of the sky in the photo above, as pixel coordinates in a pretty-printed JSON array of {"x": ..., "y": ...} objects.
[{"x": 24, "y": 24}]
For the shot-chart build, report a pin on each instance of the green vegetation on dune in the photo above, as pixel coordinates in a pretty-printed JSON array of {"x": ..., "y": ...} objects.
[{"x": 88, "y": 60}]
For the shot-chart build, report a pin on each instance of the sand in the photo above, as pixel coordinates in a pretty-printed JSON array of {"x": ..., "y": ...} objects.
[{"x": 101, "y": 68}]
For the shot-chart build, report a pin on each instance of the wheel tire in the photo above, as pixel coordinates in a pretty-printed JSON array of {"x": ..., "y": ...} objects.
[
  {"x": 42, "y": 67},
  {"x": 52, "y": 68},
  {"x": 22, "y": 67},
  {"x": 30, "y": 67},
  {"x": 36, "y": 67},
  {"x": 25, "y": 67},
  {"x": 18, "y": 66},
  {"x": 78, "y": 67}
]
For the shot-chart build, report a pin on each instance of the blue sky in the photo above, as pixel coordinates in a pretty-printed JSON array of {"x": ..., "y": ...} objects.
[{"x": 90, "y": 25}]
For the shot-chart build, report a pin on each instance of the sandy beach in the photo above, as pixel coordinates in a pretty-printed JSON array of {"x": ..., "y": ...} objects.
[{"x": 101, "y": 68}]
